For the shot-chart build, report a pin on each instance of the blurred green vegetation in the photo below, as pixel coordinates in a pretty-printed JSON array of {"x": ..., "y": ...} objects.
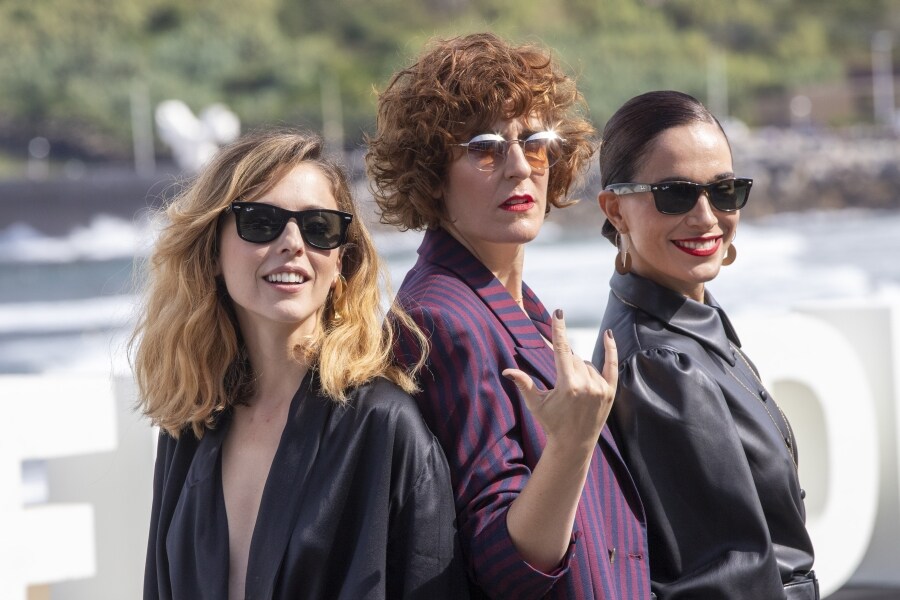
[
  {"x": 11, "y": 167},
  {"x": 69, "y": 67}
]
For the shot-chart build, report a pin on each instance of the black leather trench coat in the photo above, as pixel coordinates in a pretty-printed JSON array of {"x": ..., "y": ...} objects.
[{"x": 714, "y": 458}]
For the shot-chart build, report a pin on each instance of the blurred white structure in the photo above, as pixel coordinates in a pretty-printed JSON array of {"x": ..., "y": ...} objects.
[
  {"x": 87, "y": 537},
  {"x": 820, "y": 380},
  {"x": 832, "y": 366},
  {"x": 194, "y": 139}
]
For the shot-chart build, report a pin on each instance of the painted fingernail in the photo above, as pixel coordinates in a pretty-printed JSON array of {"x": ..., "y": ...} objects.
[
  {"x": 558, "y": 313},
  {"x": 609, "y": 333}
]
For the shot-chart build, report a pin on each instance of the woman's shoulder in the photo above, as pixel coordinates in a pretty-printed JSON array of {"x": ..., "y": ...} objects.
[
  {"x": 640, "y": 335},
  {"x": 392, "y": 426},
  {"x": 385, "y": 403},
  {"x": 649, "y": 352},
  {"x": 186, "y": 441},
  {"x": 635, "y": 334},
  {"x": 175, "y": 457},
  {"x": 448, "y": 304},
  {"x": 435, "y": 288}
]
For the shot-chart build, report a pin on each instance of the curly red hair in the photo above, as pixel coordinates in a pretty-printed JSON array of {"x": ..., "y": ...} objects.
[{"x": 459, "y": 88}]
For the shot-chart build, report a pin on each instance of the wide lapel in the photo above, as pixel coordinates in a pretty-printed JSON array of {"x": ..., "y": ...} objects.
[
  {"x": 442, "y": 249},
  {"x": 285, "y": 488},
  {"x": 532, "y": 349}
]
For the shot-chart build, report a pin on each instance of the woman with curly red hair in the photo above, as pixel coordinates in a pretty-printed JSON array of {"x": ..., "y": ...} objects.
[{"x": 476, "y": 140}]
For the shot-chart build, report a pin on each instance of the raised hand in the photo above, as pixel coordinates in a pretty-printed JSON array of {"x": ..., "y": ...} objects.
[{"x": 574, "y": 412}]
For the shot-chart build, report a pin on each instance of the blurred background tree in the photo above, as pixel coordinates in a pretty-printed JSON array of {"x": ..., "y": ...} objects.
[{"x": 69, "y": 69}]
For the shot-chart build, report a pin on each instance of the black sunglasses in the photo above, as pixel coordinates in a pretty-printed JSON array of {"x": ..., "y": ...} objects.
[
  {"x": 679, "y": 197},
  {"x": 488, "y": 151},
  {"x": 260, "y": 223}
]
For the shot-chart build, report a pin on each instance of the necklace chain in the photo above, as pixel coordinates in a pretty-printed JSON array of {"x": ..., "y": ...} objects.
[{"x": 789, "y": 438}]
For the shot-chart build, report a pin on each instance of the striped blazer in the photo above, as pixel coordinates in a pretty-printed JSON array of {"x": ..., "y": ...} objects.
[{"x": 492, "y": 442}]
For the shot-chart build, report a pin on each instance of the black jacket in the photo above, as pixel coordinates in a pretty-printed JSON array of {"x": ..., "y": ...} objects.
[
  {"x": 357, "y": 505},
  {"x": 713, "y": 457}
]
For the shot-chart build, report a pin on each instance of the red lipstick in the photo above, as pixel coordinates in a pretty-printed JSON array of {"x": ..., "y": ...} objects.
[
  {"x": 518, "y": 203},
  {"x": 699, "y": 246}
]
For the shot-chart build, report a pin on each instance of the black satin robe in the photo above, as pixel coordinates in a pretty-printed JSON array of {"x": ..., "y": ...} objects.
[
  {"x": 713, "y": 457},
  {"x": 357, "y": 505}
]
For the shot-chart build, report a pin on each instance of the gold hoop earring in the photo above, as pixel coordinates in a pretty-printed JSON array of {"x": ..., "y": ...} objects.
[
  {"x": 337, "y": 295},
  {"x": 730, "y": 254},
  {"x": 623, "y": 260}
]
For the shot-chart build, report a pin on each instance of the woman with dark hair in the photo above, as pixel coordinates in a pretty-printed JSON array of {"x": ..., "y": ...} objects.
[
  {"x": 713, "y": 456},
  {"x": 292, "y": 462},
  {"x": 476, "y": 140}
]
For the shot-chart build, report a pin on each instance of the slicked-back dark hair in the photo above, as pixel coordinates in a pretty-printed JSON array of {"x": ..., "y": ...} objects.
[{"x": 632, "y": 131}]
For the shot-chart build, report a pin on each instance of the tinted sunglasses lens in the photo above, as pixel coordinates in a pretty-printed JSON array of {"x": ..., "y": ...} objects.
[
  {"x": 541, "y": 153},
  {"x": 729, "y": 195},
  {"x": 259, "y": 224},
  {"x": 486, "y": 154},
  {"x": 322, "y": 229},
  {"x": 675, "y": 198},
  {"x": 680, "y": 197}
]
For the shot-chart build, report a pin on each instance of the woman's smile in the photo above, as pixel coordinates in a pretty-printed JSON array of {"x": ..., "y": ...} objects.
[
  {"x": 288, "y": 278},
  {"x": 701, "y": 246}
]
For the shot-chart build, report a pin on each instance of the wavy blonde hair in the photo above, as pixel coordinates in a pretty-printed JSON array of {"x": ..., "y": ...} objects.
[
  {"x": 456, "y": 89},
  {"x": 186, "y": 349}
]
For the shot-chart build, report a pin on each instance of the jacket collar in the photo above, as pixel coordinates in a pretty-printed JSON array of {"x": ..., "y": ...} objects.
[
  {"x": 705, "y": 322},
  {"x": 442, "y": 249}
]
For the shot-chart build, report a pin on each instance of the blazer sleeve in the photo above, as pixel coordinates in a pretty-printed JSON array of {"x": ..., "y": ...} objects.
[
  {"x": 468, "y": 405},
  {"x": 707, "y": 533}
]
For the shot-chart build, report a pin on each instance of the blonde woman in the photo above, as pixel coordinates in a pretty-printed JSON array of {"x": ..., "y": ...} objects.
[{"x": 292, "y": 463}]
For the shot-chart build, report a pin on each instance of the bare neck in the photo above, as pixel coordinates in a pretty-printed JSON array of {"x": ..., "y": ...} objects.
[
  {"x": 278, "y": 372},
  {"x": 505, "y": 261}
]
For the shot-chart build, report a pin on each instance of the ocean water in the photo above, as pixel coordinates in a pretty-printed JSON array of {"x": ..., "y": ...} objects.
[{"x": 67, "y": 302}]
